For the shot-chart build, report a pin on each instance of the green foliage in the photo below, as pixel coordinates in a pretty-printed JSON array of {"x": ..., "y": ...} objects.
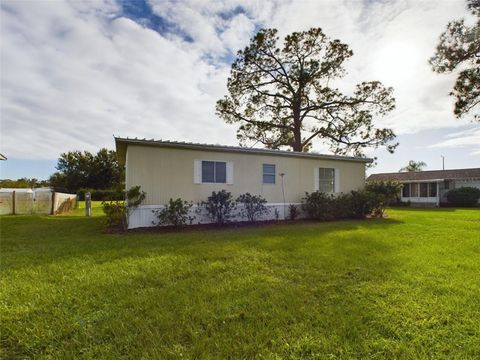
[
  {"x": 117, "y": 212},
  {"x": 23, "y": 183},
  {"x": 220, "y": 206},
  {"x": 384, "y": 193},
  {"x": 399, "y": 288},
  {"x": 281, "y": 96},
  {"x": 101, "y": 195},
  {"x": 84, "y": 170},
  {"x": 174, "y": 213},
  {"x": 413, "y": 166},
  {"x": 317, "y": 205},
  {"x": 354, "y": 205},
  {"x": 253, "y": 206},
  {"x": 458, "y": 51},
  {"x": 464, "y": 196},
  {"x": 292, "y": 211}
]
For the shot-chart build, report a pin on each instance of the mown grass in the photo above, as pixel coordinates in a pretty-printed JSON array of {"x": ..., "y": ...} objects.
[{"x": 407, "y": 287}]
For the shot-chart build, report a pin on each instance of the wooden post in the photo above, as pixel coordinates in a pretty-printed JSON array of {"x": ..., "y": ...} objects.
[
  {"x": 53, "y": 203},
  {"x": 13, "y": 202}
]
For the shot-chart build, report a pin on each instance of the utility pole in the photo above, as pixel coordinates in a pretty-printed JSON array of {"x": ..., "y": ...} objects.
[{"x": 443, "y": 162}]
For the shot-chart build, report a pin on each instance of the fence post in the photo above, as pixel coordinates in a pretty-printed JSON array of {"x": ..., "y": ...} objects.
[
  {"x": 88, "y": 204},
  {"x": 13, "y": 202},
  {"x": 53, "y": 203}
]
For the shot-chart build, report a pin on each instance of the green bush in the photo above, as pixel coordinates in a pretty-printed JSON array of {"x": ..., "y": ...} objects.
[
  {"x": 101, "y": 195},
  {"x": 292, "y": 211},
  {"x": 317, "y": 205},
  {"x": 253, "y": 206},
  {"x": 219, "y": 206},
  {"x": 117, "y": 212},
  {"x": 174, "y": 213},
  {"x": 356, "y": 204},
  {"x": 384, "y": 194},
  {"x": 362, "y": 204},
  {"x": 464, "y": 196}
]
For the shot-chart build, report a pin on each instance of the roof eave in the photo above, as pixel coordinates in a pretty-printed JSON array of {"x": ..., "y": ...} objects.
[{"x": 123, "y": 142}]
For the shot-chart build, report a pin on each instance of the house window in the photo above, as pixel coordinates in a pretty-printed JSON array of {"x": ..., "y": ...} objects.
[
  {"x": 423, "y": 189},
  {"x": 406, "y": 190},
  {"x": 446, "y": 185},
  {"x": 326, "y": 179},
  {"x": 214, "y": 172},
  {"x": 414, "y": 190},
  {"x": 268, "y": 173}
]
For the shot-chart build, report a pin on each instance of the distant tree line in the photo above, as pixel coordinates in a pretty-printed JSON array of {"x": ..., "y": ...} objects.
[{"x": 84, "y": 170}]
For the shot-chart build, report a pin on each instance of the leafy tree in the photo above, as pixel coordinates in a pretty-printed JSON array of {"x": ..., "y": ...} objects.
[
  {"x": 23, "y": 183},
  {"x": 413, "y": 166},
  {"x": 79, "y": 170},
  {"x": 459, "y": 49},
  {"x": 283, "y": 96}
]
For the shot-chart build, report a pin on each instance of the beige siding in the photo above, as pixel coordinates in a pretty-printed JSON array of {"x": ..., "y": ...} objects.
[{"x": 165, "y": 173}]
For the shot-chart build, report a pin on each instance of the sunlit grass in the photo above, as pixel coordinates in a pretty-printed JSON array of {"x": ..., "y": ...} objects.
[{"x": 404, "y": 287}]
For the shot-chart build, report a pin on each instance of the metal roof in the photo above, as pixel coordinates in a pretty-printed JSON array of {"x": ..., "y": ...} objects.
[
  {"x": 121, "y": 145},
  {"x": 455, "y": 174},
  {"x": 3, "y": 157}
]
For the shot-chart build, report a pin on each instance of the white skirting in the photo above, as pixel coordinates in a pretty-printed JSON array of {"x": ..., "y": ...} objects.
[{"x": 143, "y": 216}]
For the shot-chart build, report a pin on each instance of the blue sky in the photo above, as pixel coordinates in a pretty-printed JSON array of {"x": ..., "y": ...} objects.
[{"x": 73, "y": 74}]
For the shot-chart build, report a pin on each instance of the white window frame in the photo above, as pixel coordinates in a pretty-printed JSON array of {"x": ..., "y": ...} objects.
[
  {"x": 197, "y": 172},
  {"x": 336, "y": 179},
  {"x": 270, "y": 174}
]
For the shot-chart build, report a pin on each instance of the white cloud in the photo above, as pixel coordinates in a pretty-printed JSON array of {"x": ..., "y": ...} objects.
[{"x": 74, "y": 73}]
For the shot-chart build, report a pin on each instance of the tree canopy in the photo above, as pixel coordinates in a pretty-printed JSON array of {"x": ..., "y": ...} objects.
[
  {"x": 84, "y": 170},
  {"x": 284, "y": 96},
  {"x": 459, "y": 49},
  {"x": 413, "y": 166}
]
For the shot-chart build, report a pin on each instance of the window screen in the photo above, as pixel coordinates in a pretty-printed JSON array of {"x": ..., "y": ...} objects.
[
  {"x": 406, "y": 190},
  {"x": 414, "y": 190},
  {"x": 326, "y": 179},
  {"x": 423, "y": 189},
  {"x": 433, "y": 189},
  {"x": 214, "y": 172},
  {"x": 268, "y": 173}
]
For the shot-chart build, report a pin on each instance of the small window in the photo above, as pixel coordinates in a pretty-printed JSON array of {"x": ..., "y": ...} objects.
[
  {"x": 446, "y": 184},
  {"x": 268, "y": 173},
  {"x": 326, "y": 180},
  {"x": 406, "y": 190},
  {"x": 414, "y": 190},
  {"x": 214, "y": 172},
  {"x": 423, "y": 189},
  {"x": 433, "y": 189}
]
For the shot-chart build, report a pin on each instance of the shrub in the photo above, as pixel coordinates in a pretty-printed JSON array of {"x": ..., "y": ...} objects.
[
  {"x": 317, "y": 205},
  {"x": 253, "y": 206},
  {"x": 117, "y": 212},
  {"x": 464, "y": 196},
  {"x": 340, "y": 206},
  {"x": 292, "y": 211},
  {"x": 219, "y": 206},
  {"x": 174, "y": 213},
  {"x": 384, "y": 193},
  {"x": 362, "y": 203}
]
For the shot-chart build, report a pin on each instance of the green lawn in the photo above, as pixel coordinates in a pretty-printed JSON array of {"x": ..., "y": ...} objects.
[{"x": 406, "y": 287}]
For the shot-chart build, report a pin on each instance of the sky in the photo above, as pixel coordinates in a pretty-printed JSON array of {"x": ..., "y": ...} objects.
[{"x": 75, "y": 73}]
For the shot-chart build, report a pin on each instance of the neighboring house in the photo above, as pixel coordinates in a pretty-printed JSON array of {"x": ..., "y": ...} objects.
[
  {"x": 189, "y": 171},
  {"x": 430, "y": 187}
]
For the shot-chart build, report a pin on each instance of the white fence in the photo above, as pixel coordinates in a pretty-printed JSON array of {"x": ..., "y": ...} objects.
[{"x": 35, "y": 201}]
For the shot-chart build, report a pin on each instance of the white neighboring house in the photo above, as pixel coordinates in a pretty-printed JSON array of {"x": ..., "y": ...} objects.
[{"x": 430, "y": 187}]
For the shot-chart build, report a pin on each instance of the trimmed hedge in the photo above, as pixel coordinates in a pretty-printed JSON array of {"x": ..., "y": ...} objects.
[
  {"x": 464, "y": 196},
  {"x": 101, "y": 195}
]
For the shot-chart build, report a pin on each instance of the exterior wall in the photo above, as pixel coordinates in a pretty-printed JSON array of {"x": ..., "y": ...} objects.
[{"x": 165, "y": 173}]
